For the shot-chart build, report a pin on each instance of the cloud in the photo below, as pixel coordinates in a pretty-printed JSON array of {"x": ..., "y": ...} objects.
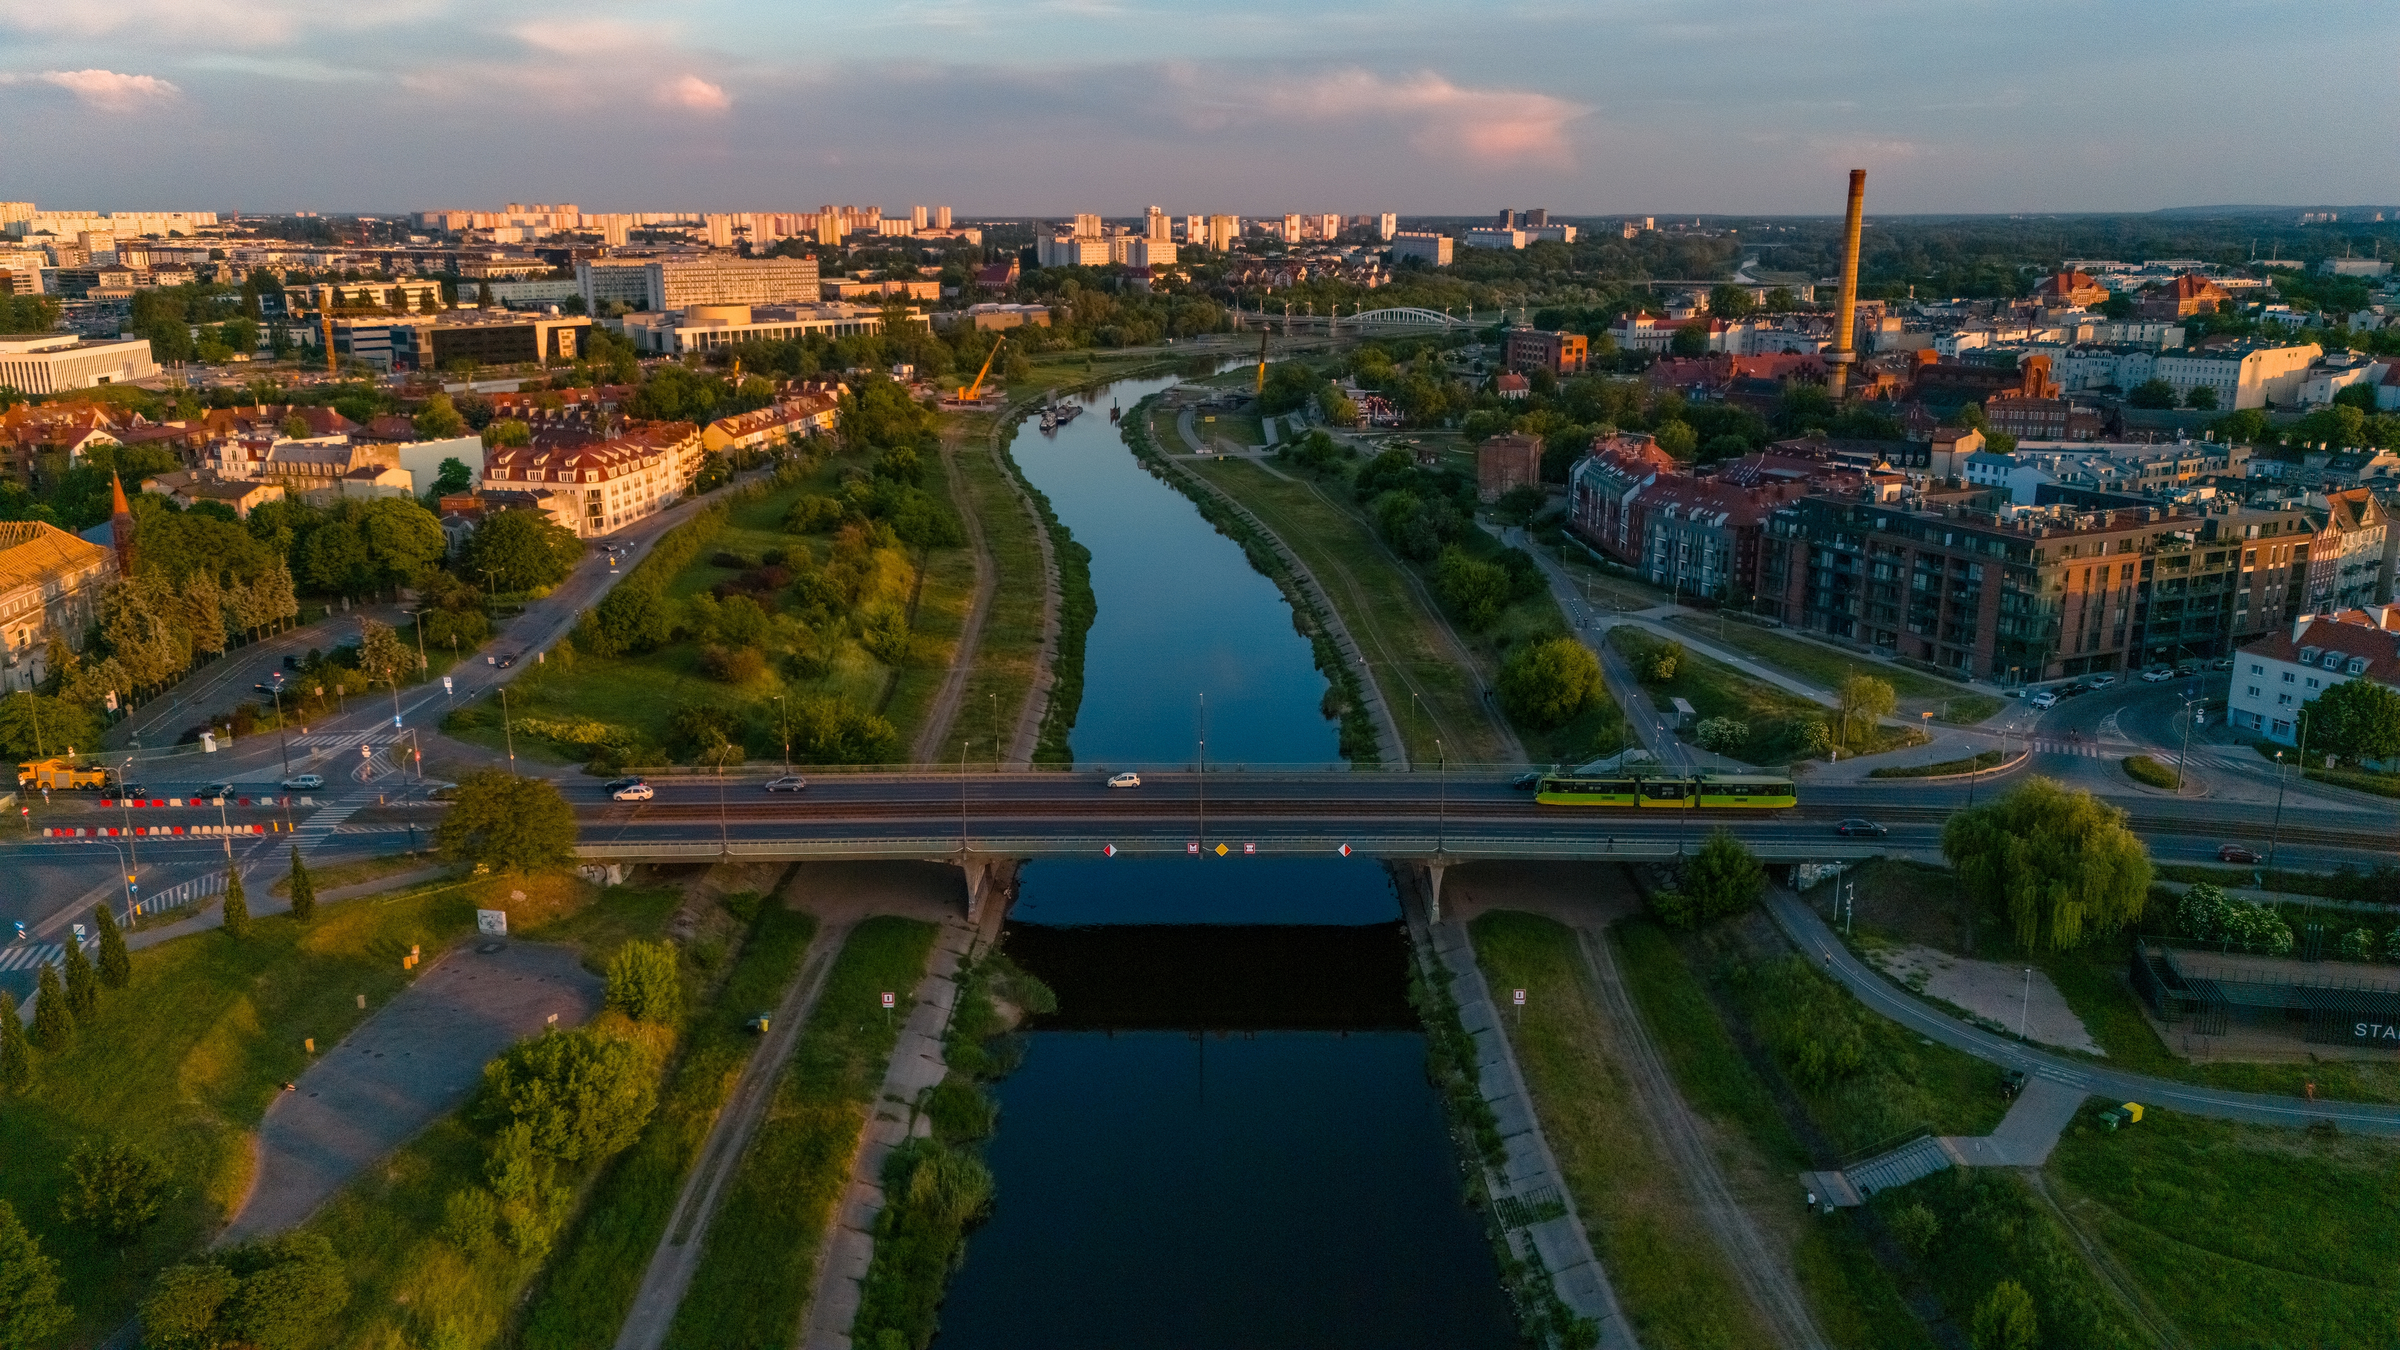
[
  {"x": 1480, "y": 126},
  {"x": 693, "y": 93},
  {"x": 110, "y": 91},
  {"x": 210, "y": 23}
]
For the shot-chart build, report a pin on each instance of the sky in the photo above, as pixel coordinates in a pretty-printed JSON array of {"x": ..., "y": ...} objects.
[{"x": 1045, "y": 107}]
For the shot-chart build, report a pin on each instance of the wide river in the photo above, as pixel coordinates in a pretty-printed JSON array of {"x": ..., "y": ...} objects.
[{"x": 1225, "y": 1136}]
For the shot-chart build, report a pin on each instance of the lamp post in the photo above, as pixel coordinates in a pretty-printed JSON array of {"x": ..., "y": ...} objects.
[
  {"x": 283, "y": 739},
  {"x": 2185, "y": 757},
  {"x": 784, "y": 719},
  {"x": 962, "y": 797},
  {"x": 2275, "y": 831},
  {"x": 1441, "y": 817},
  {"x": 125, "y": 809},
  {"x": 507, "y": 734},
  {"x": 418, "y": 616},
  {"x": 123, "y": 871}
]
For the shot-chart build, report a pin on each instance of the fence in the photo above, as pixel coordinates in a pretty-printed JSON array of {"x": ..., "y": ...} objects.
[{"x": 181, "y": 895}]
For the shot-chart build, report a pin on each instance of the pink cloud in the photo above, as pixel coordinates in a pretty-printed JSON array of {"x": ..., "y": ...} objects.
[
  {"x": 693, "y": 93},
  {"x": 1476, "y": 125},
  {"x": 106, "y": 89}
]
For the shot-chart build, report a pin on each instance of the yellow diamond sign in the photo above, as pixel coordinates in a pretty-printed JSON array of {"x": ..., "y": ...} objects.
[{"x": 1222, "y": 850}]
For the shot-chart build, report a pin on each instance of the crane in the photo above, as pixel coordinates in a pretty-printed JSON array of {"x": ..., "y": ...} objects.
[
  {"x": 969, "y": 394},
  {"x": 1262, "y": 360}
]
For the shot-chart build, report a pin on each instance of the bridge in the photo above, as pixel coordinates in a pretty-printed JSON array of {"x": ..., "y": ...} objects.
[
  {"x": 1368, "y": 323},
  {"x": 987, "y": 823}
]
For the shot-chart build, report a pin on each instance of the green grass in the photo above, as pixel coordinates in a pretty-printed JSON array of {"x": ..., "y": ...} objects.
[
  {"x": 1826, "y": 667},
  {"x": 752, "y": 1284},
  {"x": 1988, "y": 759},
  {"x": 1989, "y": 1226},
  {"x": 1008, "y": 651},
  {"x": 1669, "y": 1274},
  {"x": 1854, "y": 1300},
  {"x": 186, "y": 1060},
  {"x": 2143, "y": 769},
  {"x": 2246, "y": 1235},
  {"x": 589, "y": 1287},
  {"x": 1779, "y": 721}
]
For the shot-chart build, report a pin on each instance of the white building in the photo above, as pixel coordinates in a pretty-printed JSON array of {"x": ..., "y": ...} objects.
[
  {"x": 1071, "y": 251},
  {"x": 49, "y": 363},
  {"x": 676, "y": 283},
  {"x": 706, "y": 327},
  {"x": 1431, "y": 248},
  {"x": 2336, "y": 371},
  {"x": 2278, "y": 675},
  {"x": 2245, "y": 376},
  {"x": 1387, "y": 225}
]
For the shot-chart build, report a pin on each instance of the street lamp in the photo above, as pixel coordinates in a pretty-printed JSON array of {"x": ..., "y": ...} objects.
[
  {"x": 784, "y": 720},
  {"x": 124, "y": 871},
  {"x": 283, "y": 740},
  {"x": 125, "y": 809},
  {"x": 1203, "y": 760},
  {"x": 507, "y": 734},
  {"x": 962, "y": 796},
  {"x": 1441, "y": 818},
  {"x": 2275, "y": 832},
  {"x": 418, "y": 616}
]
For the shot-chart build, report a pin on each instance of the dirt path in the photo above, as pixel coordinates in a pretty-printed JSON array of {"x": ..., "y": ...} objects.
[
  {"x": 1045, "y": 675},
  {"x": 1762, "y": 1274},
  {"x": 2121, "y": 1283},
  {"x": 944, "y": 711},
  {"x": 679, "y": 1248}
]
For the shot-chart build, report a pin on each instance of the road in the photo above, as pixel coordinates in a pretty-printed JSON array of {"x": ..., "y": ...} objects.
[{"x": 1813, "y": 938}]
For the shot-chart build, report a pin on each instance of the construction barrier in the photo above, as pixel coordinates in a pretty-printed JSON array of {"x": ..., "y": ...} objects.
[{"x": 117, "y": 831}]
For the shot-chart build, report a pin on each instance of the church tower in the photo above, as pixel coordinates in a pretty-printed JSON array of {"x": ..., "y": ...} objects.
[{"x": 120, "y": 528}]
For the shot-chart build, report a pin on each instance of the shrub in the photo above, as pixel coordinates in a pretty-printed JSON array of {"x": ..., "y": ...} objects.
[
  {"x": 2391, "y": 945},
  {"x": 16, "y": 1057},
  {"x": 30, "y": 1313},
  {"x": 52, "y": 1028},
  {"x": 1660, "y": 663},
  {"x": 237, "y": 905},
  {"x": 2358, "y": 945},
  {"x": 583, "y": 1095},
  {"x": 1916, "y": 1227},
  {"x": 275, "y": 1295},
  {"x": 2143, "y": 769},
  {"x": 1476, "y": 590},
  {"x": 644, "y": 984},
  {"x": 1721, "y": 735},
  {"x": 2005, "y": 1319},
  {"x": 813, "y": 515},
  {"x": 2206, "y": 913},
  {"x": 113, "y": 1188},
  {"x": 1811, "y": 1026},
  {"x": 734, "y": 665},
  {"x": 470, "y": 1218},
  {"x": 1549, "y": 681}
]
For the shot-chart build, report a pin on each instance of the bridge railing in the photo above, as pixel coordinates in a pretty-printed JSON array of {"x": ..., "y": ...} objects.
[{"x": 1133, "y": 844}]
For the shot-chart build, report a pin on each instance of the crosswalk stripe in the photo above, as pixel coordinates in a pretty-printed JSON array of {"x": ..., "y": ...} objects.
[{"x": 27, "y": 957}]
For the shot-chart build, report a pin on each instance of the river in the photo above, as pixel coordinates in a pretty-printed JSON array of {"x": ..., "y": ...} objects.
[{"x": 1225, "y": 1136}]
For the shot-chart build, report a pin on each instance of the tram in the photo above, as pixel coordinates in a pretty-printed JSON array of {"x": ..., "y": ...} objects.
[{"x": 1651, "y": 787}]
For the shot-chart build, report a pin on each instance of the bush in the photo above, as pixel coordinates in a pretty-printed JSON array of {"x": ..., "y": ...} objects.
[
  {"x": 1547, "y": 682},
  {"x": 2143, "y": 769},
  {"x": 2005, "y": 1319},
  {"x": 274, "y": 1295},
  {"x": 1476, "y": 590},
  {"x": 1810, "y": 1025},
  {"x": 933, "y": 1194},
  {"x": 2206, "y": 913},
  {"x": 29, "y": 1309},
  {"x": 644, "y": 984},
  {"x": 113, "y": 1188},
  {"x": 1916, "y": 1227},
  {"x": 1721, "y": 735},
  {"x": 2358, "y": 945},
  {"x": 734, "y": 665},
  {"x": 1659, "y": 664},
  {"x": 813, "y": 515},
  {"x": 583, "y": 1095},
  {"x": 471, "y": 1218}
]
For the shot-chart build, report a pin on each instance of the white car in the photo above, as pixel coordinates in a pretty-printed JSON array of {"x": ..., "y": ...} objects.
[
  {"x": 2101, "y": 681},
  {"x": 2157, "y": 675},
  {"x": 303, "y": 782},
  {"x": 1127, "y": 779},
  {"x": 634, "y": 792},
  {"x": 790, "y": 782},
  {"x": 2044, "y": 699}
]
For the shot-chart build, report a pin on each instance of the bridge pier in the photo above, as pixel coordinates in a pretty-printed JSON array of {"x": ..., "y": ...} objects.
[
  {"x": 1434, "y": 867},
  {"x": 991, "y": 881}
]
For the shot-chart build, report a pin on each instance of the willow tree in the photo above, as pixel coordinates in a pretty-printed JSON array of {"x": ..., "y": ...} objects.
[{"x": 2061, "y": 864}]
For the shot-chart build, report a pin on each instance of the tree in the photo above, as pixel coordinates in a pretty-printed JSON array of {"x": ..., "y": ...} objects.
[
  {"x": 113, "y": 1188},
  {"x": 30, "y": 1313},
  {"x": 1547, "y": 682},
  {"x": 1722, "y": 878},
  {"x": 1722, "y": 735},
  {"x": 381, "y": 654},
  {"x": 83, "y": 987},
  {"x": 2355, "y": 720},
  {"x": 502, "y": 821},
  {"x": 2200, "y": 396},
  {"x": 584, "y": 1095},
  {"x": 303, "y": 888},
  {"x": 632, "y": 619},
  {"x": 1730, "y": 302},
  {"x": 643, "y": 982},
  {"x": 439, "y": 420},
  {"x": 1691, "y": 339},
  {"x": 506, "y": 432},
  {"x": 237, "y": 905},
  {"x": 453, "y": 477},
  {"x": 116, "y": 964},
  {"x": 1864, "y": 698},
  {"x": 16, "y": 1057},
  {"x": 34, "y": 725},
  {"x": 1476, "y": 589},
  {"x": 52, "y": 1028},
  {"x": 273, "y": 1295},
  {"x": 2151, "y": 394},
  {"x": 2061, "y": 865},
  {"x": 1677, "y": 438},
  {"x": 522, "y": 550},
  {"x": 2005, "y": 1319}
]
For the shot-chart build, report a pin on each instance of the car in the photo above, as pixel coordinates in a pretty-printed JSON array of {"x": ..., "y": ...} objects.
[
  {"x": 1860, "y": 828},
  {"x": 2221, "y": 663},
  {"x": 441, "y": 792},
  {"x": 2102, "y": 681},
  {"x": 291, "y": 663},
  {"x": 134, "y": 791},
  {"x": 508, "y": 660},
  {"x": 1127, "y": 779},
  {"x": 614, "y": 784},
  {"x": 304, "y": 782},
  {"x": 790, "y": 782},
  {"x": 2071, "y": 690},
  {"x": 2187, "y": 668},
  {"x": 2235, "y": 853},
  {"x": 1526, "y": 782},
  {"x": 2157, "y": 675},
  {"x": 213, "y": 790},
  {"x": 2044, "y": 699},
  {"x": 634, "y": 792},
  {"x": 265, "y": 688}
]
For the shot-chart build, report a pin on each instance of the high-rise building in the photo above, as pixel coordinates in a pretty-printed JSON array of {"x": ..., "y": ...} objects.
[
  {"x": 1535, "y": 219},
  {"x": 941, "y": 217},
  {"x": 1222, "y": 231},
  {"x": 1327, "y": 226},
  {"x": 917, "y": 218},
  {"x": 1087, "y": 226},
  {"x": 1195, "y": 231},
  {"x": 1506, "y": 220},
  {"x": 1156, "y": 225},
  {"x": 1291, "y": 229},
  {"x": 1386, "y": 225}
]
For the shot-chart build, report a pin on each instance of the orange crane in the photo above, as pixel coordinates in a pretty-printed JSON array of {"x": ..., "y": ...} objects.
[
  {"x": 1262, "y": 361},
  {"x": 968, "y": 394}
]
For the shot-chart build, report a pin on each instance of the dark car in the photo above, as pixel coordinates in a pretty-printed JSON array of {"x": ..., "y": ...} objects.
[
  {"x": 1526, "y": 782},
  {"x": 2071, "y": 690},
  {"x": 613, "y": 785},
  {"x": 508, "y": 660},
  {"x": 1856, "y": 826},
  {"x": 2235, "y": 853},
  {"x": 265, "y": 688},
  {"x": 291, "y": 663},
  {"x": 133, "y": 791}
]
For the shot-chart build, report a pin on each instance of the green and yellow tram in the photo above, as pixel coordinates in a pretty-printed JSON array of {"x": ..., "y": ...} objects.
[{"x": 1671, "y": 791}]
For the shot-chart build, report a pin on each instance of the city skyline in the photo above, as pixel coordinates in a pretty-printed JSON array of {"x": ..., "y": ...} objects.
[{"x": 1033, "y": 108}]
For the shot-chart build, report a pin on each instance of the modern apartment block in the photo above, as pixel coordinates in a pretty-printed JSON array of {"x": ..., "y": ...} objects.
[
  {"x": 2283, "y": 672},
  {"x": 676, "y": 283}
]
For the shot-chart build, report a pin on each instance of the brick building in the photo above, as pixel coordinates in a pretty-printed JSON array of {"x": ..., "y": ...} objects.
[
  {"x": 1506, "y": 462},
  {"x": 1561, "y": 354}
]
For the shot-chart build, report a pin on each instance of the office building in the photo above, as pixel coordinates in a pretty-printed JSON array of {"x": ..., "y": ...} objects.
[
  {"x": 677, "y": 283},
  {"x": 1561, "y": 354},
  {"x": 1433, "y": 249},
  {"x": 1386, "y": 225},
  {"x": 49, "y": 363},
  {"x": 706, "y": 327}
]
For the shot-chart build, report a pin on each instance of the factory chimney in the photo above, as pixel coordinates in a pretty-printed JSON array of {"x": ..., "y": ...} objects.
[{"x": 1845, "y": 317}]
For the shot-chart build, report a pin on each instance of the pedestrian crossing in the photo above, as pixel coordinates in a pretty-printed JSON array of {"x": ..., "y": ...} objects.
[
  {"x": 352, "y": 739},
  {"x": 312, "y": 833},
  {"x": 2041, "y": 745},
  {"x": 30, "y": 955}
]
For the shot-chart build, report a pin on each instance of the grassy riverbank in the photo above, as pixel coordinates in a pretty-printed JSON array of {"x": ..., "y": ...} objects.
[
  {"x": 1784, "y": 727},
  {"x": 1008, "y": 651},
  {"x": 756, "y": 1273}
]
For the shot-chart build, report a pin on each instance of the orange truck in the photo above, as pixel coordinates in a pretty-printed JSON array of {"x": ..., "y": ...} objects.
[{"x": 59, "y": 775}]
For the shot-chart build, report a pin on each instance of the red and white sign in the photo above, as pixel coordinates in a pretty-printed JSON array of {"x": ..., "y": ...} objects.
[
  {"x": 1192, "y": 847},
  {"x": 890, "y": 1002},
  {"x": 1108, "y": 850},
  {"x": 1249, "y": 848},
  {"x": 1345, "y": 850},
  {"x": 1520, "y": 999}
]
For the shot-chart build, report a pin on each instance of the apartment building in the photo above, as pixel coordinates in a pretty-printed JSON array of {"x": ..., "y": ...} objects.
[
  {"x": 1432, "y": 249},
  {"x": 658, "y": 284},
  {"x": 2283, "y": 672},
  {"x": 50, "y": 583},
  {"x": 606, "y": 484},
  {"x": 2245, "y": 375}
]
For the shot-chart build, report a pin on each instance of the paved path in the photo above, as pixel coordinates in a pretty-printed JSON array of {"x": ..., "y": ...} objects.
[
  {"x": 677, "y": 1255},
  {"x": 1561, "y": 1245},
  {"x": 1762, "y": 1274},
  {"x": 915, "y": 1067},
  {"x": 935, "y": 733},
  {"x": 416, "y": 1059},
  {"x": 1812, "y": 937}
]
